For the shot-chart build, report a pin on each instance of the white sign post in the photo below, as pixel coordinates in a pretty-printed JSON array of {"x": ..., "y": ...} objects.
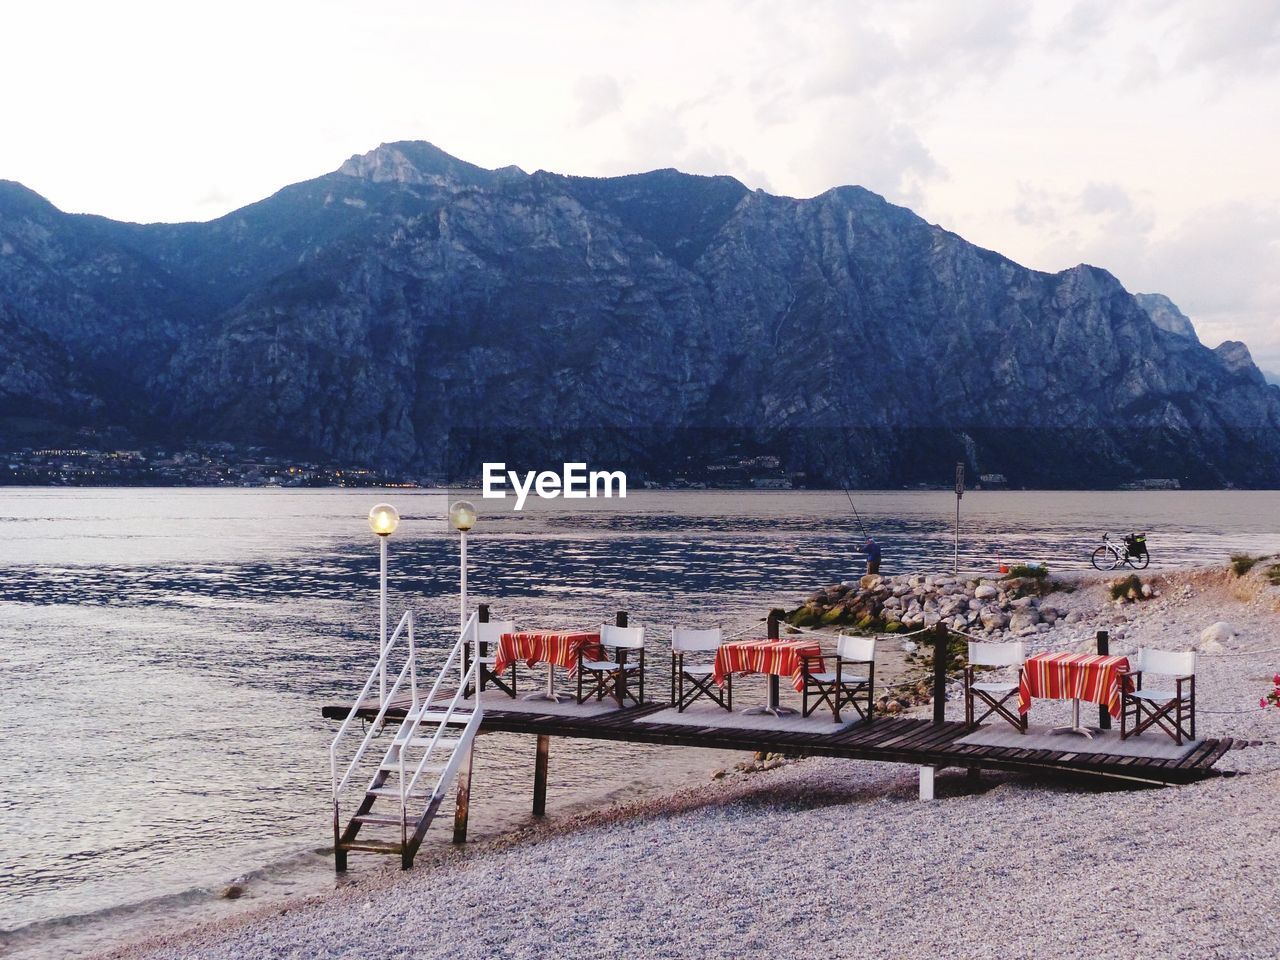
[{"x": 955, "y": 565}]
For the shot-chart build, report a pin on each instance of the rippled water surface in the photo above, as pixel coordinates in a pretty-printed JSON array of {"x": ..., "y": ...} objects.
[{"x": 165, "y": 653}]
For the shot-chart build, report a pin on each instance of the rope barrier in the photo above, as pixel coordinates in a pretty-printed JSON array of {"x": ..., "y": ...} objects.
[
  {"x": 750, "y": 625},
  {"x": 1242, "y": 653}
]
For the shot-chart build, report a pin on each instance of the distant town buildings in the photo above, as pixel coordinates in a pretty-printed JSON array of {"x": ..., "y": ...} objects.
[
  {"x": 1152, "y": 484},
  {"x": 204, "y": 465}
]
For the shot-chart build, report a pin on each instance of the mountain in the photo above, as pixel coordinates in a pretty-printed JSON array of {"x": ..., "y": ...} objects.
[
  {"x": 414, "y": 311},
  {"x": 1164, "y": 313}
]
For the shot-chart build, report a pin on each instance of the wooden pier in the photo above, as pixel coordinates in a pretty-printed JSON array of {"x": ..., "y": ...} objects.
[
  {"x": 929, "y": 745},
  {"x": 890, "y": 739}
]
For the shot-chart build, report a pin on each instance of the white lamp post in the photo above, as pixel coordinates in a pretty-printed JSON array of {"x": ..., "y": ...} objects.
[
  {"x": 463, "y": 517},
  {"x": 383, "y": 521}
]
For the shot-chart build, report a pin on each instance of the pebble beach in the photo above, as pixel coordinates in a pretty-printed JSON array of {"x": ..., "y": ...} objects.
[{"x": 840, "y": 857}]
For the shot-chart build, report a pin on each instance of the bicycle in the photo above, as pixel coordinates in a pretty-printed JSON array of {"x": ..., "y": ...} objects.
[{"x": 1109, "y": 556}]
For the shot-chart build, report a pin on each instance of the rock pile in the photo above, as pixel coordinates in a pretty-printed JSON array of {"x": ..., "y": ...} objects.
[{"x": 986, "y": 608}]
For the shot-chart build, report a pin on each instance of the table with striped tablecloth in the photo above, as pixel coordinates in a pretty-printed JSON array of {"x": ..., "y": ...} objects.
[
  {"x": 558, "y": 647},
  {"x": 1072, "y": 676},
  {"x": 779, "y": 657}
]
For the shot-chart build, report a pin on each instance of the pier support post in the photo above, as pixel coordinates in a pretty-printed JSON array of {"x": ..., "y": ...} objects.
[
  {"x": 463, "y": 804},
  {"x": 926, "y": 782},
  {"x": 540, "y": 776},
  {"x": 482, "y": 616},
  {"x": 1104, "y": 648},
  {"x": 941, "y": 638}
]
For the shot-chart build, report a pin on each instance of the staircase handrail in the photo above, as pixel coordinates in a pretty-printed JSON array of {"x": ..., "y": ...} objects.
[
  {"x": 410, "y": 668},
  {"x": 442, "y": 720}
]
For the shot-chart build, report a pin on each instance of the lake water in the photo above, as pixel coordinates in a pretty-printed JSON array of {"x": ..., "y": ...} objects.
[{"x": 165, "y": 654}]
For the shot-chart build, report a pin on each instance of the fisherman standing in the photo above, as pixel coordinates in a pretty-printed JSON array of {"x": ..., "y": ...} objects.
[{"x": 872, "y": 550}]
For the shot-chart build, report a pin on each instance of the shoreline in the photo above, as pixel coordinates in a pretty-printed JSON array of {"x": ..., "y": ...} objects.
[{"x": 712, "y": 818}]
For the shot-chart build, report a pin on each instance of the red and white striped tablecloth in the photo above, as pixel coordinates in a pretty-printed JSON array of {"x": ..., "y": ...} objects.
[
  {"x": 546, "y": 646},
  {"x": 766, "y": 656},
  {"x": 1072, "y": 676}
]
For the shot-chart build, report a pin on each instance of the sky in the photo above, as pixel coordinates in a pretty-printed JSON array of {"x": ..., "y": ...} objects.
[{"x": 1142, "y": 136}]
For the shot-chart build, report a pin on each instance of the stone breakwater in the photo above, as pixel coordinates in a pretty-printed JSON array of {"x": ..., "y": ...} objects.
[{"x": 988, "y": 608}]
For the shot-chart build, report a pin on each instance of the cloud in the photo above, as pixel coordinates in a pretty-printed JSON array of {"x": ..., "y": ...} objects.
[
  {"x": 1105, "y": 198},
  {"x": 1083, "y": 26},
  {"x": 872, "y": 148},
  {"x": 1237, "y": 38},
  {"x": 1220, "y": 263},
  {"x": 912, "y": 50},
  {"x": 1036, "y": 207},
  {"x": 597, "y": 96},
  {"x": 978, "y": 38}
]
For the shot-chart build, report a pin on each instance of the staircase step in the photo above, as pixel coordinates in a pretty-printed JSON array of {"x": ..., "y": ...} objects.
[
  {"x": 456, "y": 719},
  {"x": 393, "y": 793},
  {"x": 378, "y": 820},
  {"x": 442, "y": 744},
  {"x": 393, "y": 766},
  {"x": 370, "y": 847}
]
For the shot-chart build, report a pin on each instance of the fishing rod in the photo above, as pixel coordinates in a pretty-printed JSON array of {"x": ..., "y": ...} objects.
[{"x": 856, "y": 515}]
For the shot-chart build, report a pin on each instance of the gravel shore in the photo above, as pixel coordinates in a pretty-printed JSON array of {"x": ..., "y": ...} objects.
[{"x": 839, "y": 858}]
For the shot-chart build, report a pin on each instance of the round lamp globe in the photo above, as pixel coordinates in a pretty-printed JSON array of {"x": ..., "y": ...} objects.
[
  {"x": 383, "y": 519},
  {"x": 463, "y": 515}
]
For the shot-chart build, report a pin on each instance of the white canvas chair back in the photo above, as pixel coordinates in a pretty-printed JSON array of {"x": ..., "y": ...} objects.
[
  {"x": 684, "y": 640},
  {"x": 1011, "y": 654},
  {"x": 858, "y": 649},
  {"x": 1165, "y": 663},
  {"x": 614, "y": 636},
  {"x": 492, "y": 631}
]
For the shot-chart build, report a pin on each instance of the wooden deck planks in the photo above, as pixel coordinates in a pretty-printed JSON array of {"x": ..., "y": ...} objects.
[{"x": 889, "y": 739}]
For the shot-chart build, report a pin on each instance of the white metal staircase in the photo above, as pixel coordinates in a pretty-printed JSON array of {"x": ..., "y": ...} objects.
[{"x": 429, "y": 745}]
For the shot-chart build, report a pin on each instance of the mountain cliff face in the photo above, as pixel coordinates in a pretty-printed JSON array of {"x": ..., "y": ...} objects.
[
  {"x": 414, "y": 311},
  {"x": 1164, "y": 313}
]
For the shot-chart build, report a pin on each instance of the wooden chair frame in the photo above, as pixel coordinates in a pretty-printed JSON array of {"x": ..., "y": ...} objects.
[
  {"x": 487, "y": 674},
  {"x": 1002, "y": 655},
  {"x": 1176, "y": 717},
  {"x": 703, "y": 683},
  {"x": 840, "y": 691},
  {"x": 993, "y": 706},
  {"x": 613, "y": 681}
]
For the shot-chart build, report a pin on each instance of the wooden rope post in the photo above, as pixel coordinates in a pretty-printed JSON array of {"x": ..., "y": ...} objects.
[
  {"x": 1104, "y": 649},
  {"x": 620, "y": 620},
  {"x": 941, "y": 641},
  {"x": 540, "y": 776}
]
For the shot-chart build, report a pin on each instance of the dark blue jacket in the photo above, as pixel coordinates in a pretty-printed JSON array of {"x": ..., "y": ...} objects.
[{"x": 871, "y": 549}]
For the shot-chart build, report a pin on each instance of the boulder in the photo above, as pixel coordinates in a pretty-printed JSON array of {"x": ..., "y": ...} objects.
[
  {"x": 994, "y": 620},
  {"x": 986, "y": 591},
  {"x": 1023, "y": 618},
  {"x": 1217, "y": 633}
]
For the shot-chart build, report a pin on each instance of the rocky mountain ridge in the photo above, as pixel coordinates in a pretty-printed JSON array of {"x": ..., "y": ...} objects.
[{"x": 415, "y": 311}]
